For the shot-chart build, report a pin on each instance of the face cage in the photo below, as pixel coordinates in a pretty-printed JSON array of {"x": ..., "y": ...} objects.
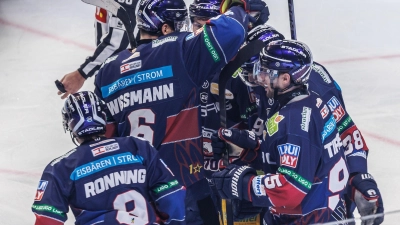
[
  {"x": 248, "y": 78},
  {"x": 260, "y": 72},
  {"x": 182, "y": 25}
]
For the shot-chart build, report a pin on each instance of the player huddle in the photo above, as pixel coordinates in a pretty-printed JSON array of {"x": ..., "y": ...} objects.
[{"x": 150, "y": 149}]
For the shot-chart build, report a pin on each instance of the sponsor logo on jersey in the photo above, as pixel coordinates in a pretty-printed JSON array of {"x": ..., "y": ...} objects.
[
  {"x": 297, "y": 177},
  {"x": 104, "y": 149},
  {"x": 305, "y": 118},
  {"x": 40, "y": 190},
  {"x": 319, "y": 102},
  {"x": 166, "y": 186},
  {"x": 334, "y": 146},
  {"x": 131, "y": 66},
  {"x": 329, "y": 127},
  {"x": 48, "y": 208},
  {"x": 346, "y": 122},
  {"x": 336, "y": 108},
  {"x": 258, "y": 186},
  {"x": 272, "y": 123},
  {"x": 137, "y": 78},
  {"x": 324, "y": 112},
  {"x": 105, "y": 163},
  {"x": 322, "y": 73},
  {"x": 157, "y": 42},
  {"x": 204, "y": 97},
  {"x": 141, "y": 96},
  {"x": 114, "y": 179},
  {"x": 134, "y": 55},
  {"x": 289, "y": 154},
  {"x": 210, "y": 47}
]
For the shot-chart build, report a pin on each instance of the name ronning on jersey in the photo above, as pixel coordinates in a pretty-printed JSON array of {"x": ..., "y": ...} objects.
[
  {"x": 141, "y": 96},
  {"x": 114, "y": 179}
]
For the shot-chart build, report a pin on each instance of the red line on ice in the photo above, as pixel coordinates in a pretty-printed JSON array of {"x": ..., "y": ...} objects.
[
  {"x": 16, "y": 172},
  {"x": 44, "y": 34},
  {"x": 381, "y": 138},
  {"x": 337, "y": 61}
]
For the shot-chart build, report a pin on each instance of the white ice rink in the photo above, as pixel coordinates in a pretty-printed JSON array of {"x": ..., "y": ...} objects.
[{"x": 41, "y": 40}]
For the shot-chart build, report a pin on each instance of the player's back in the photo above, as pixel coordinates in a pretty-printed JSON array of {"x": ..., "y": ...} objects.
[
  {"x": 303, "y": 144},
  {"x": 108, "y": 181}
]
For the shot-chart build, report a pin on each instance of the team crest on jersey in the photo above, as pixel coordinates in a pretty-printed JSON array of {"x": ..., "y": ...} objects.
[
  {"x": 40, "y": 190},
  {"x": 131, "y": 66},
  {"x": 273, "y": 123},
  {"x": 289, "y": 154},
  {"x": 104, "y": 149},
  {"x": 336, "y": 108}
]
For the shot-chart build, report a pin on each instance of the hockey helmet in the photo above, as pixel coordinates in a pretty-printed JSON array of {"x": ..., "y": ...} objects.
[
  {"x": 152, "y": 14},
  {"x": 285, "y": 56},
  {"x": 205, "y": 8},
  {"x": 266, "y": 34},
  {"x": 83, "y": 114}
]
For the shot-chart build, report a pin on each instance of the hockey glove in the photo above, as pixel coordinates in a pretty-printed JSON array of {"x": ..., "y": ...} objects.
[
  {"x": 234, "y": 181},
  {"x": 243, "y": 209},
  {"x": 248, "y": 5},
  {"x": 244, "y": 139},
  {"x": 367, "y": 197}
]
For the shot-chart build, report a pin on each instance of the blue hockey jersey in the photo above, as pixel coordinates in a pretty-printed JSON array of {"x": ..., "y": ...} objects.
[
  {"x": 307, "y": 171},
  {"x": 152, "y": 91},
  {"x": 321, "y": 82},
  {"x": 109, "y": 181}
]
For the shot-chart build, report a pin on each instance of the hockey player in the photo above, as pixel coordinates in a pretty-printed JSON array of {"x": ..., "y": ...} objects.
[
  {"x": 106, "y": 181},
  {"x": 110, "y": 37},
  {"x": 363, "y": 189},
  {"x": 308, "y": 181},
  {"x": 152, "y": 91}
]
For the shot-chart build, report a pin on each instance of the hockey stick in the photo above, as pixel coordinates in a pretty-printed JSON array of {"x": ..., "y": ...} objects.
[
  {"x": 292, "y": 20},
  {"x": 251, "y": 49}
]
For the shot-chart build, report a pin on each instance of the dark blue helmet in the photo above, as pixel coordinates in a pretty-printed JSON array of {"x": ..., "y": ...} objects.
[
  {"x": 83, "y": 114},
  {"x": 205, "y": 8},
  {"x": 287, "y": 56},
  {"x": 152, "y": 14},
  {"x": 266, "y": 34}
]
